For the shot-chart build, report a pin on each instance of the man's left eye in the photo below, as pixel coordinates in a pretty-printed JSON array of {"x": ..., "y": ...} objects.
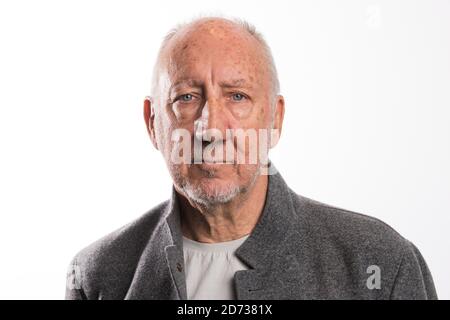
[{"x": 237, "y": 96}]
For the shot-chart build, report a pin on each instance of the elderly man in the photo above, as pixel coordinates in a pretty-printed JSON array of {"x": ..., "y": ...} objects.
[{"x": 233, "y": 229}]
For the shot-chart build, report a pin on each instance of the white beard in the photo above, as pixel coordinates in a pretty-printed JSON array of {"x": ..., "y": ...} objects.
[
  {"x": 210, "y": 199},
  {"x": 216, "y": 196}
]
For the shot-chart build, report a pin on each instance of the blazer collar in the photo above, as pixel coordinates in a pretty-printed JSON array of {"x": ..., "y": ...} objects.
[
  {"x": 174, "y": 251},
  {"x": 273, "y": 227},
  {"x": 151, "y": 279}
]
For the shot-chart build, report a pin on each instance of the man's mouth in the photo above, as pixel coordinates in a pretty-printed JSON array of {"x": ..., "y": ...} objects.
[
  {"x": 210, "y": 159},
  {"x": 215, "y": 162}
]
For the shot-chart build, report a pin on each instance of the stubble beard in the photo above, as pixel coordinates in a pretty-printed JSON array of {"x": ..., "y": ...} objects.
[{"x": 218, "y": 195}]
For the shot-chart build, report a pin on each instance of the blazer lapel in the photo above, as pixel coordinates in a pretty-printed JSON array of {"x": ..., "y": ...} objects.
[
  {"x": 174, "y": 252},
  {"x": 160, "y": 271},
  {"x": 266, "y": 246}
]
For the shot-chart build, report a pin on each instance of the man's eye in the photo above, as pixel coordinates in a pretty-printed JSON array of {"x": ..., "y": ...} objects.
[
  {"x": 237, "y": 97},
  {"x": 186, "y": 97}
]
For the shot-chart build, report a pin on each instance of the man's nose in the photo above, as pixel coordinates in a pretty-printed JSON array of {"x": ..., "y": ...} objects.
[{"x": 211, "y": 120}]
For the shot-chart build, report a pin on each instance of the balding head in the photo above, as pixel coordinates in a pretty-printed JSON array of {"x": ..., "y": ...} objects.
[{"x": 228, "y": 31}]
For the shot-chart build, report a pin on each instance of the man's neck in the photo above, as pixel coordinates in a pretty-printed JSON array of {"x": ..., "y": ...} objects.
[{"x": 224, "y": 222}]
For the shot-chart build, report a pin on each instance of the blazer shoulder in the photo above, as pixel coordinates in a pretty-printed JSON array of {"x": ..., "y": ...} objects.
[
  {"x": 350, "y": 243},
  {"x": 116, "y": 254},
  {"x": 348, "y": 228}
]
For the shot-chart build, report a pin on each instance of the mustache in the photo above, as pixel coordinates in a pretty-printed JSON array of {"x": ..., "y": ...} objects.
[{"x": 215, "y": 151}]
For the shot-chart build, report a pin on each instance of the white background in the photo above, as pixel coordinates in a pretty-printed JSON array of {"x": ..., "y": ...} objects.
[{"x": 367, "y": 88}]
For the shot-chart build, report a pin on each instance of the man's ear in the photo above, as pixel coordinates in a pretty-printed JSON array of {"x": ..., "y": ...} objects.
[
  {"x": 278, "y": 118},
  {"x": 149, "y": 118}
]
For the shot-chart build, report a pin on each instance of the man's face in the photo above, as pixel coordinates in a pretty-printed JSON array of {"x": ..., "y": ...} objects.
[{"x": 213, "y": 76}]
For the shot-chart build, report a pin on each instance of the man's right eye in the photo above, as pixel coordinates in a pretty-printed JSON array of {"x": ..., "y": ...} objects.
[{"x": 186, "y": 97}]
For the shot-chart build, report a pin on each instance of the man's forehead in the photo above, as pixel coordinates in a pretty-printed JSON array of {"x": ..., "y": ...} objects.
[
  {"x": 227, "y": 69},
  {"x": 226, "y": 50},
  {"x": 207, "y": 48}
]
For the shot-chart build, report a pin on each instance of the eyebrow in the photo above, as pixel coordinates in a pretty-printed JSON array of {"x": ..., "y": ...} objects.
[
  {"x": 234, "y": 83},
  {"x": 188, "y": 82}
]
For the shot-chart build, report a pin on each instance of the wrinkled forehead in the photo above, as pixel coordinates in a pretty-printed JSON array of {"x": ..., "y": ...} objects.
[{"x": 221, "y": 49}]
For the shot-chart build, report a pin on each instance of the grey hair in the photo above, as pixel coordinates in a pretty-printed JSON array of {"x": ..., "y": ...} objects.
[{"x": 239, "y": 22}]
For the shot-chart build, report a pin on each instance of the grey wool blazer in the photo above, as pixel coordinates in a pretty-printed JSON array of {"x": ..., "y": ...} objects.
[{"x": 299, "y": 249}]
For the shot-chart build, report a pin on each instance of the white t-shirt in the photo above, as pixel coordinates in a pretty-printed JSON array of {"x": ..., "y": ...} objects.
[{"x": 210, "y": 268}]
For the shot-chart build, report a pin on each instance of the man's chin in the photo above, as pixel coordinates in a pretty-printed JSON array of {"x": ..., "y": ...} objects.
[
  {"x": 211, "y": 193},
  {"x": 212, "y": 184}
]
